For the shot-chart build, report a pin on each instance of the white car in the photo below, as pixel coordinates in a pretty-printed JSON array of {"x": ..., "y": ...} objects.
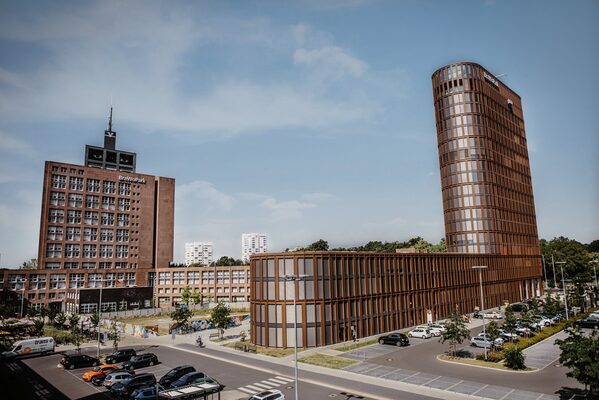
[
  {"x": 439, "y": 327},
  {"x": 272, "y": 394},
  {"x": 508, "y": 336},
  {"x": 493, "y": 315},
  {"x": 433, "y": 331},
  {"x": 481, "y": 341},
  {"x": 421, "y": 333},
  {"x": 546, "y": 321}
]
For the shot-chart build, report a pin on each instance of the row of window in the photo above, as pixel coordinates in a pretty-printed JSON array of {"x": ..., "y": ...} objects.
[
  {"x": 226, "y": 289},
  {"x": 92, "y": 185},
  {"x": 54, "y": 250},
  {"x": 56, "y": 215},
  {"x": 90, "y": 265},
  {"x": 206, "y": 277},
  {"x": 73, "y": 233},
  {"x": 91, "y": 201}
]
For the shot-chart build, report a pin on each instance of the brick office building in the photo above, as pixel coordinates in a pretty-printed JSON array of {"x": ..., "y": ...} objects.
[
  {"x": 102, "y": 223},
  {"x": 489, "y": 221}
]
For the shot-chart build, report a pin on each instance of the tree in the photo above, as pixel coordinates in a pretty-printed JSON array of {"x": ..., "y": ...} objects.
[
  {"x": 60, "y": 320},
  {"x": 51, "y": 313},
  {"x": 220, "y": 317},
  {"x": 575, "y": 254},
  {"x": 115, "y": 335},
  {"x": 196, "y": 297},
  {"x": 76, "y": 334},
  {"x": 181, "y": 316},
  {"x": 95, "y": 319},
  {"x": 514, "y": 358},
  {"x": 552, "y": 306},
  {"x": 186, "y": 295},
  {"x": 525, "y": 319},
  {"x": 31, "y": 264},
  {"x": 455, "y": 332},
  {"x": 580, "y": 353},
  {"x": 319, "y": 245},
  {"x": 39, "y": 325},
  {"x": 510, "y": 322},
  {"x": 492, "y": 331},
  {"x": 227, "y": 262}
]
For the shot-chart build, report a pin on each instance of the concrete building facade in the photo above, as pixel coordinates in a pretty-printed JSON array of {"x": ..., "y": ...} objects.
[
  {"x": 253, "y": 243},
  {"x": 198, "y": 253}
]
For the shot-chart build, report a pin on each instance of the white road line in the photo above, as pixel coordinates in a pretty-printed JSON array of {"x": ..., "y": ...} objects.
[
  {"x": 284, "y": 378},
  {"x": 279, "y": 381},
  {"x": 479, "y": 390},
  {"x": 254, "y": 388},
  {"x": 271, "y": 384},
  {"x": 262, "y": 386},
  {"x": 507, "y": 394},
  {"x": 455, "y": 384},
  {"x": 432, "y": 380},
  {"x": 248, "y": 391}
]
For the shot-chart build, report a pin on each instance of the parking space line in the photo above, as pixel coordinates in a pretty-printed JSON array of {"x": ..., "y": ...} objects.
[
  {"x": 432, "y": 380},
  {"x": 455, "y": 384},
  {"x": 409, "y": 376},
  {"x": 508, "y": 393},
  {"x": 388, "y": 373},
  {"x": 472, "y": 394}
]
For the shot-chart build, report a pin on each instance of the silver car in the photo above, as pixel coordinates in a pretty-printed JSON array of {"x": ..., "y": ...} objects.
[{"x": 116, "y": 377}]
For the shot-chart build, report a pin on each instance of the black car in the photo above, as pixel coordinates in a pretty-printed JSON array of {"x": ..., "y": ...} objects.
[
  {"x": 141, "y": 360},
  {"x": 72, "y": 361},
  {"x": 397, "y": 339},
  {"x": 589, "y": 322},
  {"x": 174, "y": 374},
  {"x": 120, "y": 356},
  {"x": 187, "y": 379},
  {"x": 138, "y": 381}
]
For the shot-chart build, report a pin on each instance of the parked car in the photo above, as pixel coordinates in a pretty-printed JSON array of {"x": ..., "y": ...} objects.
[
  {"x": 506, "y": 336},
  {"x": 395, "y": 338},
  {"x": 43, "y": 345},
  {"x": 174, "y": 374},
  {"x": 99, "y": 370},
  {"x": 72, "y": 361},
  {"x": 120, "y": 356},
  {"x": 588, "y": 323},
  {"x": 476, "y": 314},
  {"x": 127, "y": 387},
  {"x": 547, "y": 321},
  {"x": 116, "y": 377},
  {"x": 493, "y": 315},
  {"x": 594, "y": 314},
  {"x": 433, "y": 331},
  {"x": 141, "y": 360},
  {"x": 440, "y": 327},
  {"x": 481, "y": 341},
  {"x": 272, "y": 394},
  {"x": 147, "y": 393},
  {"x": 187, "y": 379},
  {"x": 420, "y": 333}
]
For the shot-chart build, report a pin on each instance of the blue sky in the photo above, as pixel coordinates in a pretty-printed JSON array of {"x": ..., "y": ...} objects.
[{"x": 304, "y": 120}]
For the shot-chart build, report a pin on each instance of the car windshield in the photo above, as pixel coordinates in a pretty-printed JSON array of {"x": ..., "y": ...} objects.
[
  {"x": 135, "y": 358},
  {"x": 97, "y": 369}
]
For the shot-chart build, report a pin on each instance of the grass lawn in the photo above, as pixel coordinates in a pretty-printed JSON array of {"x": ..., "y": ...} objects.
[
  {"x": 356, "y": 345},
  {"x": 479, "y": 363},
  {"x": 267, "y": 351},
  {"x": 324, "y": 360}
]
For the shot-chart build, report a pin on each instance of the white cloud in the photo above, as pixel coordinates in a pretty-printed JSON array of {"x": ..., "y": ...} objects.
[
  {"x": 331, "y": 57},
  {"x": 203, "y": 195}
]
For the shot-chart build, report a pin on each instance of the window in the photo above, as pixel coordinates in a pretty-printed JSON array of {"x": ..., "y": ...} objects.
[
  {"x": 58, "y": 281},
  {"x": 124, "y": 189},
  {"x": 122, "y": 235},
  {"x": 90, "y": 234},
  {"x": 93, "y": 185},
  {"x": 122, "y": 251},
  {"x": 76, "y": 281},
  {"x": 71, "y": 265},
  {"x": 207, "y": 277},
  {"x": 89, "y": 308},
  {"x": 71, "y": 251},
  {"x": 123, "y": 204},
  {"x": 37, "y": 282},
  {"x": 107, "y": 219},
  {"x": 94, "y": 280},
  {"x": 108, "y": 203},
  {"x": 57, "y": 198},
  {"x": 89, "y": 251},
  {"x": 75, "y": 183},
  {"x": 238, "y": 277},
  {"x": 91, "y": 218},
  {"x": 52, "y": 265},
  {"x": 222, "y": 277},
  {"x": 54, "y": 233},
  {"x": 109, "y": 187},
  {"x": 105, "y": 265},
  {"x": 121, "y": 265},
  {"x": 122, "y": 220},
  {"x": 110, "y": 278},
  {"x": 73, "y": 234},
  {"x": 59, "y": 181},
  {"x": 73, "y": 217},
  {"x": 105, "y": 251},
  {"x": 92, "y": 201},
  {"x": 130, "y": 278},
  {"x": 164, "y": 278},
  {"x": 75, "y": 200},
  {"x": 54, "y": 250},
  {"x": 193, "y": 278},
  {"x": 106, "y": 235},
  {"x": 178, "y": 278},
  {"x": 88, "y": 265},
  {"x": 56, "y": 216}
]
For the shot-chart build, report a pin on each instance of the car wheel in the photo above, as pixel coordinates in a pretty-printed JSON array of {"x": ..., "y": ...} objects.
[
  {"x": 473, "y": 344},
  {"x": 381, "y": 341},
  {"x": 398, "y": 343},
  {"x": 71, "y": 366},
  {"x": 410, "y": 335},
  {"x": 151, "y": 363}
]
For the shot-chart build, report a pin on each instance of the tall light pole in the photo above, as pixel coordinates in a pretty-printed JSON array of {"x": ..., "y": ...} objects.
[
  {"x": 545, "y": 273},
  {"x": 22, "y": 295},
  {"x": 482, "y": 300},
  {"x": 294, "y": 278},
  {"x": 99, "y": 316},
  {"x": 563, "y": 285},
  {"x": 554, "y": 278}
]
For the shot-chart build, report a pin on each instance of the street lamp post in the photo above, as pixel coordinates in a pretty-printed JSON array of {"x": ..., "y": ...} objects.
[
  {"x": 594, "y": 262},
  {"x": 545, "y": 286},
  {"x": 563, "y": 285},
  {"x": 99, "y": 316},
  {"x": 22, "y": 295},
  {"x": 554, "y": 278},
  {"x": 294, "y": 278},
  {"x": 482, "y": 301}
]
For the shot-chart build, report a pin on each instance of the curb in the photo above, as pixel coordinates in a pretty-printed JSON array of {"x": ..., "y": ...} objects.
[{"x": 491, "y": 368}]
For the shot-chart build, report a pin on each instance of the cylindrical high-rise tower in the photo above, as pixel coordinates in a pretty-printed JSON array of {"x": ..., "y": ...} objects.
[{"x": 488, "y": 202}]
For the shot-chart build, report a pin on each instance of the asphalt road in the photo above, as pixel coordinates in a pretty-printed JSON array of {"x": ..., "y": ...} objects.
[{"x": 240, "y": 378}]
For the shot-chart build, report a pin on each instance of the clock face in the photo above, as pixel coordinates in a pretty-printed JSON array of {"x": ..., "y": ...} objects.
[{"x": 109, "y": 134}]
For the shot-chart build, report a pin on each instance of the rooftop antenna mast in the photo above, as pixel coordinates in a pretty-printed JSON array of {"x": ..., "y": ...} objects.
[{"x": 110, "y": 116}]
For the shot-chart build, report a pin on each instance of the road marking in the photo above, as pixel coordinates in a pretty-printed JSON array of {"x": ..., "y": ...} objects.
[
  {"x": 508, "y": 393},
  {"x": 284, "y": 378},
  {"x": 479, "y": 390},
  {"x": 269, "y": 383},
  {"x": 279, "y": 381},
  {"x": 262, "y": 386},
  {"x": 455, "y": 384},
  {"x": 409, "y": 376},
  {"x": 254, "y": 388},
  {"x": 432, "y": 380},
  {"x": 248, "y": 391}
]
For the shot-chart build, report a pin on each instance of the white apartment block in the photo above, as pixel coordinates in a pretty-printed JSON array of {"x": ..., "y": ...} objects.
[
  {"x": 198, "y": 253},
  {"x": 252, "y": 243}
]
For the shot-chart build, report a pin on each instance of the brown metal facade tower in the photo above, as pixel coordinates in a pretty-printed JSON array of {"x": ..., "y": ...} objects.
[{"x": 486, "y": 183}]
